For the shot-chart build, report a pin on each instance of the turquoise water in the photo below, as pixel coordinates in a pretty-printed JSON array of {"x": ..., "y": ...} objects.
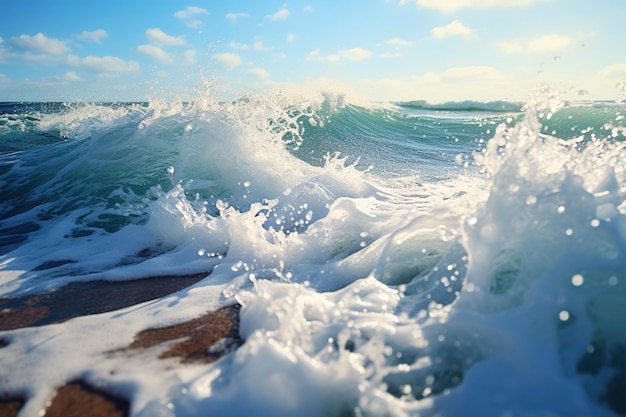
[{"x": 390, "y": 259}]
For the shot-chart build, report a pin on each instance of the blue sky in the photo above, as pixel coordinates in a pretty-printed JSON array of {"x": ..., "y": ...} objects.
[{"x": 437, "y": 50}]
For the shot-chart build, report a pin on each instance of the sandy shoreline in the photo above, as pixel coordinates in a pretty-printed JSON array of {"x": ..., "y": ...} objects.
[{"x": 202, "y": 339}]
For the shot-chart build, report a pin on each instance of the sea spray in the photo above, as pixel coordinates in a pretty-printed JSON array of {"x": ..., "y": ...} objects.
[
  {"x": 412, "y": 273},
  {"x": 542, "y": 263}
]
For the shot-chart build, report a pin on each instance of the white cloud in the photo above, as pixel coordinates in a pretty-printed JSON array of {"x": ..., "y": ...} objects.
[
  {"x": 156, "y": 53},
  {"x": 161, "y": 38},
  {"x": 259, "y": 72},
  {"x": 40, "y": 43},
  {"x": 399, "y": 42},
  {"x": 258, "y": 45},
  {"x": 240, "y": 46},
  {"x": 68, "y": 77},
  {"x": 190, "y": 15},
  {"x": 233, "y": 17},
  {"x": 355, "y": 54},
  {"x": 281, "y": 14},
  {"x": 71, "y": 76},
  {"x": 455, "y": 28},
  {"x": 231, "y": 61},
  {"x": 313, "y": 55},
  {"x": 93, "y": 36},
  {"x": 538, "y": 45},
  {"x": 548, "y": 43},
  {"x": 615, "y": 71},
  {"x": 510, "y": 47},
  {"x": 108, "y": 64},
  {"x": 448, "y": 6},
  {"x": 190, "y": 12},
  {"x": 189, "y": 56}
]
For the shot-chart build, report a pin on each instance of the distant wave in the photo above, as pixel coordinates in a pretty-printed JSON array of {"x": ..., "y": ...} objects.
[
  {"x": 467, "y": 105},
  {"x": 598, "y": 104}
]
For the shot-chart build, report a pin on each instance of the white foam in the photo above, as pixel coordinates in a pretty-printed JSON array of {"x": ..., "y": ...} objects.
[{"x": 358, "y": 296}]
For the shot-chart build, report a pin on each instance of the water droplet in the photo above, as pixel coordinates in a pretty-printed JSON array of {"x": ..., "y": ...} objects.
[
  {"x": 577, "y": 280},
  {"x": 564, "y": 315},
  {"x": 430, "y": 379}
]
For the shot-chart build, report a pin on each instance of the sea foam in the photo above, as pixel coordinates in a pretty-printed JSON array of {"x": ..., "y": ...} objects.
[{"x": 486, "y": 282}]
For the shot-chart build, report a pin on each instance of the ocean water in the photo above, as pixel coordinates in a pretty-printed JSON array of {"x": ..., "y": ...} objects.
[{"x": 390, "y": 259}]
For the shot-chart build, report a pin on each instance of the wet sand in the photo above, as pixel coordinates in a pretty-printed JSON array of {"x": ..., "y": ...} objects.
[
  {"x": 90, "y": 297},
  {"x": 200, "y": 340}
]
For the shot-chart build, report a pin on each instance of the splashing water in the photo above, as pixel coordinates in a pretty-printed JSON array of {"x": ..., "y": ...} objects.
[{"x": 487, "y": 282}]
